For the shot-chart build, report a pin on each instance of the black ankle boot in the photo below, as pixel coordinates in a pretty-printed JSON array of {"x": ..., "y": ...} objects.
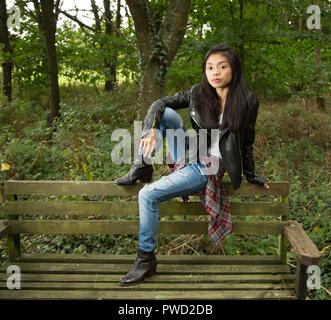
[
  {"x": 142, "y": 172},
  {"x": 144, "y": 266}
]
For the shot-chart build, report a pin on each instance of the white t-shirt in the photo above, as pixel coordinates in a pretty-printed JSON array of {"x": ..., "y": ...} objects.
[{"x": 215, "y": 151}]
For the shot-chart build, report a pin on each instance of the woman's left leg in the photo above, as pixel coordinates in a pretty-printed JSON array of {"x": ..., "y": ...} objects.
[{"x": 144, "y": 171}]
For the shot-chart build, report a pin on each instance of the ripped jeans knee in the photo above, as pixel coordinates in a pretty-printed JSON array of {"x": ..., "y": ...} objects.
[{"x": 185, "y": 181}]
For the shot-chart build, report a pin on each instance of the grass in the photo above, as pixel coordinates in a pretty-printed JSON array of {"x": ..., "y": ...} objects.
[{"x": 292, "y": 143}]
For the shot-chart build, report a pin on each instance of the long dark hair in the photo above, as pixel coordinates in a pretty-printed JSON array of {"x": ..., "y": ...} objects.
[{"x": 237, "y": 106}]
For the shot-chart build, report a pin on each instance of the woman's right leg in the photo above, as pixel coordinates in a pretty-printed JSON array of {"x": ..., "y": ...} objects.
[{"x": 182, "y": 182}]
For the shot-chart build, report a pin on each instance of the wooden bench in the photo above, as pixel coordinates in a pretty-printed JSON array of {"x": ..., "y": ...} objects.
[{"x": 96, "y": 276}]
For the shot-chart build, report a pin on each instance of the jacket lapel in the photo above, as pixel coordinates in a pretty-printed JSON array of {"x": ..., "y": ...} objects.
[{"x": 223, "y": 132}]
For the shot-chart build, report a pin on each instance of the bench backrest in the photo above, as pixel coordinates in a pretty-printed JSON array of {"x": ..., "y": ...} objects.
[{"x": 105, "y": 200}]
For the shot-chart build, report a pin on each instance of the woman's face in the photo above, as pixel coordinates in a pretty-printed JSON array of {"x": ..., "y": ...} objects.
[{"x": 218, "y": 71}]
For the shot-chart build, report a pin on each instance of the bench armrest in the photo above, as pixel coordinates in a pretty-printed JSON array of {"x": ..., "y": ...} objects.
[
  {"x": 304, "y": 248},
  {"x": 4, "y": 228}
]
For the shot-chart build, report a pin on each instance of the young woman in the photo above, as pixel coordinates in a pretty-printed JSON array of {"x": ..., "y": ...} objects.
[{"x": 223, "y": 102}]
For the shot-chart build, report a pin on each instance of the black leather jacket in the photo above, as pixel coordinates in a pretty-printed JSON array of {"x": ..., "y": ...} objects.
[{"x": 236, "y": 148}]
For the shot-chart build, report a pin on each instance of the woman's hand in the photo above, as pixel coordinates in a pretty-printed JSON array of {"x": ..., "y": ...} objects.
[
  {"x": 147, "y": 144},
  {"x": 266, "y": 185},
  {"x": 259, "y": 180}
]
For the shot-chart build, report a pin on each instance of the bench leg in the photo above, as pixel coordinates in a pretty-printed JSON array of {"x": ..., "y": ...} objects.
[
  {"x": 301, "y": 281},
  {"x": 14, "y": 244},
  {"x": 13, "y": 240}
]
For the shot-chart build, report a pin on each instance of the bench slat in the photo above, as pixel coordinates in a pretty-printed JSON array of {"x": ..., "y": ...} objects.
[
  {"x": 90, "y": 268},
  {"x": 28, "y": 285},
  {"x": 162, "y": 259},
  {"x": 107, "y": 188},
  {"x": 130, "y": 208},
  {"x": 174, "y": 279},
  {"x": 132, "y": 227},
  {"x": 148, "y": 295}
]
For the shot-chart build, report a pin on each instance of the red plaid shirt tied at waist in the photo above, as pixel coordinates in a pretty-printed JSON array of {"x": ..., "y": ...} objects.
[{"x": 214, "y": 199}]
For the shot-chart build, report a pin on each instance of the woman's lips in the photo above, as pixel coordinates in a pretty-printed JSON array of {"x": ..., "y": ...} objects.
[{"x": 216, "y": 80}]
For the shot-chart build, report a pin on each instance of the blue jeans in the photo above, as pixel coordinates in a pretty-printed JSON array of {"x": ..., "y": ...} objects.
[{"x": 182, "y": 182}]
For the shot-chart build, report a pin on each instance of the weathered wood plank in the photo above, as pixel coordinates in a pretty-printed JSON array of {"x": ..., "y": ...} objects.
[
  {"x": 162, "y": 259},
  {"x": 76, "y": 268},
  {"x": 28, "y": 285},
  {"x": 132, "y": 227},
  {"x": 302, "y": 245},
  {"x": 146, "y": 295},
  {"x": 174, "y": 279},
  {"x": 107, "y": 188},
  {"x": 282, "y": 241},
  {"x": 130, "y": 208}
]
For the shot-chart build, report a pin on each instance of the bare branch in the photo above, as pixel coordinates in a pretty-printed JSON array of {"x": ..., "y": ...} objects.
[
  {"x": 73, "y": 18},
  {"x": 58, "y": 5},
  {"x": 96, "y": 15},
  {"x": 83, "y": 25}
]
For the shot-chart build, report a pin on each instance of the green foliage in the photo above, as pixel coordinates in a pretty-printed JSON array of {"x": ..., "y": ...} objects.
[
  {"x": 292, "y": 144},
  {"x": 29, "y": 60},
  {"x": 77, "y": 147},
  {"x": 80, "y": 244},
  {"x": 278, "y": 59}
]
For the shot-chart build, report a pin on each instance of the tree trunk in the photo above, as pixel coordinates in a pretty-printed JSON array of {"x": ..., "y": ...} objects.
[
  {"x": 158, "y": 44},
  {"x": 117, "y": 32},
  {"x": 7, "y": 65},
  {"x": 149, "y": 86},
  {"x": 318, "y": 62},
  {"x": 47, "y": 22},
  {"x": 96, "y": 16},
  {"x": 318, "y": 84},
  {"x": 109, "y": 65},
  {"x": 231, "y": 13},
  {"x": 300, "y": 24},
  {"x": 242, "y": 34}
]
